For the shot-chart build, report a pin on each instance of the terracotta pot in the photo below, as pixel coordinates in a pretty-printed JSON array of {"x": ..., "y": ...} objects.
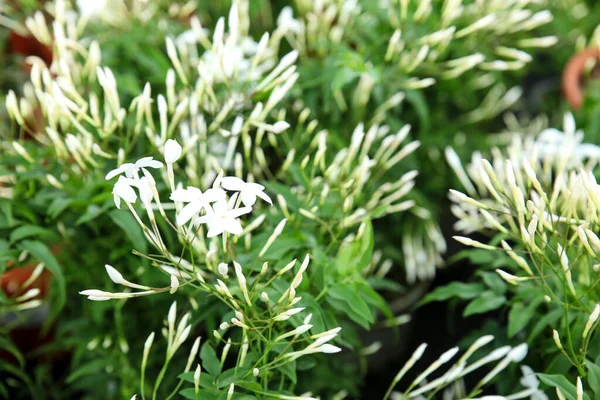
[
  {"x": 27, "y": 333},
  {"x": 29, "y": 46},
  {"x": 572, "y": 78}
]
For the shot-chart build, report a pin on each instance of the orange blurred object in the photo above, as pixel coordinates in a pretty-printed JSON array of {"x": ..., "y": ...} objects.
[
  {"x": 573, "y": 76},
  {"x": 29, "y": 46}
]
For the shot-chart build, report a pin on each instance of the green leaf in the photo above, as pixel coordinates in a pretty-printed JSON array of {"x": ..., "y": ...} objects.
[
  {"x": 190, "y": 393},
  {"x": 11, "y": 369},
  {"x": 132, "y": 229},
  {"x": 206, "y": 380},
  {"x": 26, "y": 231},
  {"x": 488, "y": 301},
  {"x": 594, "y": 378},
  {"x": 548, "y": 319},
  {"x": 6, "y": 208},
  {"x": 289, "y": 370},
  {"x": 210, "y": 362},
  {"x": 355, "y": 256},
  {"x": 92, "y": 212},
  {"x": 6, "y": 345},
  {"x": 416, "y": 98},
  {"x": 494, "y": 282},
  {"x": 233, "y": 375},
  {"x": 460, "y": 290},
  {"x": 88, "y": 369},
  {"x": 559, "y": 381},
  {"x": 40, "y": 252},
  {"x": 57, "y": 206},
  {"x": 353, "y": 306},
  {"x": 519, "y": 316},
  {"x": 381, "y": 284},
  {"x": 366, "y": 245},
  {"x": 373, "y": 298}
]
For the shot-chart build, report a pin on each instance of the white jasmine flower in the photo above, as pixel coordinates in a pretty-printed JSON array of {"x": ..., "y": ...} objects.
[
  {"x": 114, "y": 275},
  {"x": 172, "y": 151},
  {"x": 196, "y": 201},
  {"x": 123, "y": 190},
  {"x": 221, "y": 219},
  {"x": 174, "y": 284},
  {"x": 328, "y": 349},
  {"x": 286, "y": 20},
  {"x": 278, "y": 127},
  {"x": 90, "y": 8},
  {"x": 145, "y": 188},
  {"x": 223, "y": 269},
  {"x": 530, "y": 381},
  {"x": 248, "y": 190},
  {"x": 131, "y": 169},
  {"x": 518, "y": 353}
]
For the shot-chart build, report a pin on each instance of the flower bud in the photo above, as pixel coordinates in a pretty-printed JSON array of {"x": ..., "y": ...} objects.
[
  {"x": 114, "y": 275},
  {"x": 223, "y": 269},
  {"x": 172, "y": 151}
]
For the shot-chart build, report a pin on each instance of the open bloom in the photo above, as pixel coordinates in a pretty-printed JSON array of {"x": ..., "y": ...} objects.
[
  {"x": 196, "y": 201},
  {"x": 531, "y": 382},
  {"x": 130, "y": 169},
  {"x": 123, "y": 190},
  {"x": 248, "y": 190},
  {"x": 221, "y": 219}
]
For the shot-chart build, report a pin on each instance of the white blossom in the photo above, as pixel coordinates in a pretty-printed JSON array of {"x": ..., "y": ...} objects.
[
  {"x": 248, "y": 190},
  {"x": 222, "y": 219},
  {"x": 131, "y": 169},
  {"x": 197, "y": 201},
  {"x": 123, "y": 190}
]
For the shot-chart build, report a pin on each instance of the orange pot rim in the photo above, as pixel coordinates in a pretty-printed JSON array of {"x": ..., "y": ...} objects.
[{"x": 572, "y": 84}]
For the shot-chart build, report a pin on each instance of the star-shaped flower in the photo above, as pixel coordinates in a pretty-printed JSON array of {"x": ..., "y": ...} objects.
[
  {"x": 222, "y": 219},
  {"x": 123, "y": 190},
  {"x": 248, "y": 190},
  {"x": 196, "y": 201},
  {"x": 130, "y": 169}
]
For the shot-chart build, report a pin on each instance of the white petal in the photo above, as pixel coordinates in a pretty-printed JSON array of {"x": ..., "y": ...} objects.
[
  {"x": 188, "y": 212},
  {"x": 124, "y": 191},
  {"x": 569, "y": 124},
  {"x": 212, "y": 195},
  {"x": 205, "y": 219},
  {"x": 174, "y": 284},
  {"x": 220, "y": 207},
  {"x": 255, "y": 186},
  {"x": 232, "y": 183},
  {"x": 264, "y": 196},
  {"x": 280, "y": 126},
  {"x": 232, "y": 226},
  {"x": 172, "y": 151},
  {"x": 183, "y": 195},
  {"x": 145, "y": 190},
  {"x": 239, "y": 212},
  {"x": 148, "y": 162},
  {"x": 215, "y": 229},
  {"x": 117, "y": 171},
  {"x": 551, "y": 135},
  {"x": 114, "y": 275},
  {"x": 117, "y": 200},
  {"x": 99, "y": 298},
  {"x": 248, "y": 197}
]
